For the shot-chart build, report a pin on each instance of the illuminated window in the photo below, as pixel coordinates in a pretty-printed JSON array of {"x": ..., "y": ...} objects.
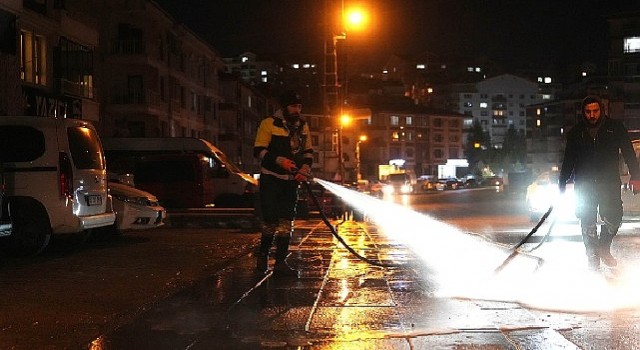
[
  {"x": 295, "y": 66},
  {"x": 33, "y": 58},
  {"x": 244, "y": 59},
  {"x": 421, "y": 66},
  {"x": 483, "y": 105},
  {"x": 395, "y": 136},
  {"x": 409, "y": 120},
  {"x": 263, "y": 73},
  {"x": 395, "y": 120},
  {"x": 632, "y": 44},
  {"x": 547, "y": 80}
]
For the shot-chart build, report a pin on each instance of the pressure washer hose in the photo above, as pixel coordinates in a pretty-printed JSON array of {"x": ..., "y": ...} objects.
[
  {"x": 515, "y": 250},
  {"x": 339, "y": 238},
  {"x": 388, "y": 265}
]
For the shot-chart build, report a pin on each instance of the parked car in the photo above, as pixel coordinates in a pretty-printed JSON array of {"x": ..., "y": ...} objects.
[
  {"x": 135, "y": 209},
  {"x": 427, "y": 183},
  {"x": 471, "y": 183},
  {"x": 330, "y": 204},
  {"x": 54, "y": 177},
  {"x": 492, "y": 181},
  {"x": 543, "y": 192},
  {"x": 448, "y": 184}
]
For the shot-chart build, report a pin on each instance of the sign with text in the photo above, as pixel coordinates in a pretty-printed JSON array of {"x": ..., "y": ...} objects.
[{"x": 43, "y": 104}]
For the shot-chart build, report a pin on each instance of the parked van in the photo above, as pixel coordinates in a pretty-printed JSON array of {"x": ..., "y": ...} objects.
[
  {"x": 54, "y": 178},
  {"x": 183, "y": 172}
]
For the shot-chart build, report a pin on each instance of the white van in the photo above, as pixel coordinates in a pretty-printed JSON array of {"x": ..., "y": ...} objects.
[
  {"x": 181, "y": 171},
  {"x": 54, "y": 177}
]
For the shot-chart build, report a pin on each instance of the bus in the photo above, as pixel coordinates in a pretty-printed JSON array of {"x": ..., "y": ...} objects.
[{"x": 183, "y": 172}]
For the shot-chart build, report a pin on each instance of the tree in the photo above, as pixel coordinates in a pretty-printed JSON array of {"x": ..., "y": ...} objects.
[
  {"x": 514, "y": 148},
  {"x": 478, "y": 142}
]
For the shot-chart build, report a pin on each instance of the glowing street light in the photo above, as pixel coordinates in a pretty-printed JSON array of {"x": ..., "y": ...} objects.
[
  {"x": 350, "y": 20},
  {"x": 355, "y": 19},
  {"x": 345, "y": 120}
]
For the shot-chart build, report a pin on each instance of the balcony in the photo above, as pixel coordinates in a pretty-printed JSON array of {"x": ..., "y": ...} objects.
[
  {"x": 128, "y": 47},
  {"x": 147, "y": 97},
  {"x": 73, "y": 88}
]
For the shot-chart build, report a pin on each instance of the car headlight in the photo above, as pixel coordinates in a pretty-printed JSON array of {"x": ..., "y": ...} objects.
[
  {"x": 388, "y": 189},
  {"x": 405, "y": 189}
]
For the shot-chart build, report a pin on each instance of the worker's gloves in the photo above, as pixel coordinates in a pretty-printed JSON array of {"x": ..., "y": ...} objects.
[
  {"x": 303, "y": 174},
  {"x": 635, "y": 186},
  {"x": 286, "y": 164},
  {"x": 562, "y": 187}
]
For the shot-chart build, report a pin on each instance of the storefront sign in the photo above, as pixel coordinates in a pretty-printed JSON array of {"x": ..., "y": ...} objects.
[{"x": 43, "y": 104}]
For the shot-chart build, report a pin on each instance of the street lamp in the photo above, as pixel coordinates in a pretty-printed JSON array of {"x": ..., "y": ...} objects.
[{"x": 361, "y": 139}]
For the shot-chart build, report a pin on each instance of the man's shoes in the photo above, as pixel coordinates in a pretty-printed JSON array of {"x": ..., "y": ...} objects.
[
  {"x": 608, "y": 259},
  {"x": 281, "y": 269}
]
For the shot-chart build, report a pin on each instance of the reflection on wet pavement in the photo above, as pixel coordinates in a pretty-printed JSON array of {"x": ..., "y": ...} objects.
[{"x": 339, "y": 302}]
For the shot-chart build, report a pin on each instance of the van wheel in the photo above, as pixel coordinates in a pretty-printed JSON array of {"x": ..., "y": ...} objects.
[{"x": 31, "y": 229}]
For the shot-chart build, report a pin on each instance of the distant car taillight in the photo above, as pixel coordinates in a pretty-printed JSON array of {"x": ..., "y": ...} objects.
[{"x": 65, "y": 174}]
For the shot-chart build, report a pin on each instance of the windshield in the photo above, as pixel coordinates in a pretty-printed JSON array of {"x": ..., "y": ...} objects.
[
  {"x": 397, "y": 177},
  {"x": 230, "y": 166}
]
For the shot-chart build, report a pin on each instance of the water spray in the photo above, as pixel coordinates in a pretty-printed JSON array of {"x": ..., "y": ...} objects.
[
  {"x": 515, "y": 250},
  {"x": 333, "y": 230}
]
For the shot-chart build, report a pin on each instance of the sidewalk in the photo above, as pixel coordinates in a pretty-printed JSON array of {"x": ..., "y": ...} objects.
[{"x": 339, "y": 302}]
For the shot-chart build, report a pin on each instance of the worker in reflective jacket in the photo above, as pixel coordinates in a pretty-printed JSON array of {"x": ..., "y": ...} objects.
[{"x": 283, "y": 147}]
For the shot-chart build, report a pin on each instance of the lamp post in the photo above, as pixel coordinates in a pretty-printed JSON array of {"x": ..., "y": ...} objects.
[
  {"x": 361, "y": 139},
  {"x": 345, "y": 120},
  {"x": 352, "y": 19}
]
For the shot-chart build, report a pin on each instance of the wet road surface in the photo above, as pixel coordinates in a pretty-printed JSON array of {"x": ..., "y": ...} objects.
[{"x": 340, "y": 302}]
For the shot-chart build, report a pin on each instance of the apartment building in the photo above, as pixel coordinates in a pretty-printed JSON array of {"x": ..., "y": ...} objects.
[
  {"x": 498, "y": 103},
  {"x": 157, "y": 78},
  {"x": 239, "y": 117},
  {"x": 46, "y": 61},
  {"x": 624, "y": 68},
  {"x": 419, "y": 138}
]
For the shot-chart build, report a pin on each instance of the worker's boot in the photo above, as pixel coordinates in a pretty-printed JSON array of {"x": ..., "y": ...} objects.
[
  {"x": 604, "y": 245},
  {"x": 266, "y": 240},
  {"x": 281, "y": 268},
  {"x": 590, "y": 239}
]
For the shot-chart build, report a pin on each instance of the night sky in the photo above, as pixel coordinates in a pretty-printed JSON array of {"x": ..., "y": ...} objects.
[{"x": 510, "y": 32}]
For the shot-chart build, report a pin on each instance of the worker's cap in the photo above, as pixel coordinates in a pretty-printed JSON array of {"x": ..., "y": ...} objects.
[{"x": 289, "y": 97}]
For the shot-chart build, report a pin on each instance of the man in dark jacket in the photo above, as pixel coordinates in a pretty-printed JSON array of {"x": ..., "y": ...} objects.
[
  {"x": 592, "y": 156},
  {"x": 283, "y": 147}
]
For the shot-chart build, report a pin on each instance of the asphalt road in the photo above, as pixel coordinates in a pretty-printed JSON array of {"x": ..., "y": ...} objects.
[{"x": 104, "y": 293}]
